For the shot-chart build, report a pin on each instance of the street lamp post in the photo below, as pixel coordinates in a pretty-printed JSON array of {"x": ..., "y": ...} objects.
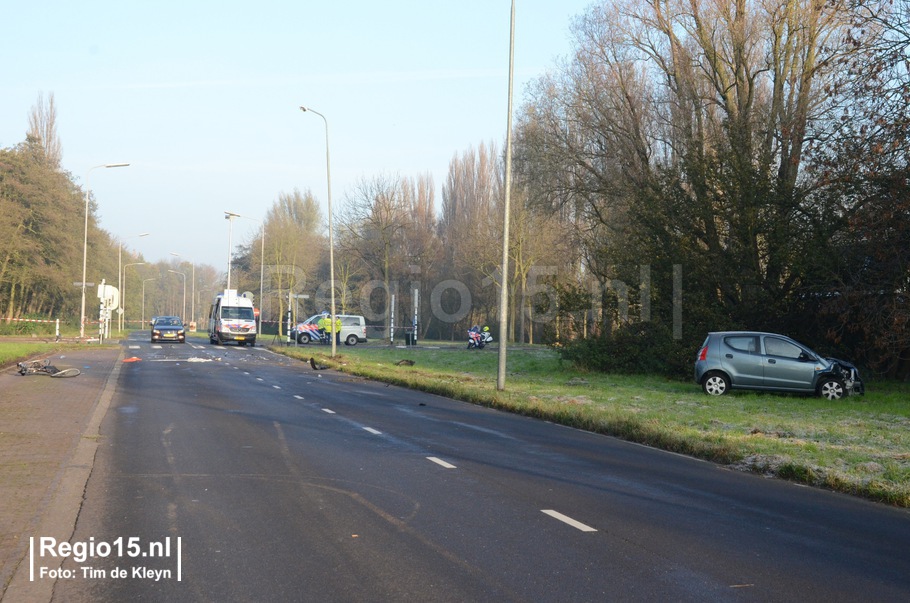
[
  {"x": 119, "y": 272},
  {"x": 183, "y": 274},
  {"x": 504, "y": 292},
  {"x": 328, "y": 176},
  {"x": 123, "y": 296},
  {"x": 85, "y": 241},
  {"x": 229, "y": 215},
  {"x": 144, "y": 281},
  {"x": 192, "y": 289}
]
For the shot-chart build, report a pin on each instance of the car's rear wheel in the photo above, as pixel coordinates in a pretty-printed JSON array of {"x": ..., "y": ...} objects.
[
  {"x": 715, "y": 384},
  {"x": 832, "y": 389},
  {"x": 351, "y": 340},
  {"x": 303, "y": 338}
]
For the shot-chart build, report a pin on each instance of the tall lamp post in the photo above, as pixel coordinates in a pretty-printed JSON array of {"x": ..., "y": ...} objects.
[
  {"x": 123, "y": 296},
  {"x": 229, "y": 215},
  {"x": 120, "y": 270},
  {"x": 144, "y": 281},
  {"x": 85, "y": 241},
  {"x": 192, "y": 289},
  {"x": 504, "y": 292},
  {"x": 328, "y": 176},
  {"x": 183, "y": 274}
]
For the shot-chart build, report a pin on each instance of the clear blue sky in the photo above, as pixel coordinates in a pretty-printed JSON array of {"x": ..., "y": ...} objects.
[{"x": 202, "y": 97}]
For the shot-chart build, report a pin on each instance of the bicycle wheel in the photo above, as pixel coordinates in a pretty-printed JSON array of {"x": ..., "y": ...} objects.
[{"x": 70, "y": 372}]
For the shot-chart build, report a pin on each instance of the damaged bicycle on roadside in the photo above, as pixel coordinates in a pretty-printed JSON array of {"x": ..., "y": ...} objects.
[{"x": 44, "y": 367}]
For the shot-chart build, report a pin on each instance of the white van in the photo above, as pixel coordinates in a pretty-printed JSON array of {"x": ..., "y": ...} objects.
[
  {"x": 232, "y": 318},
  {"x": 353, "y": 329}
]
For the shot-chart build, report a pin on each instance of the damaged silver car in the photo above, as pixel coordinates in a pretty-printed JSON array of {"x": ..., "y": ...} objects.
[{"x": 771, "y": 362}]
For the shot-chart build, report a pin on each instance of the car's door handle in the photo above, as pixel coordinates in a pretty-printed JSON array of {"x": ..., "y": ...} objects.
[
  {"x": 772, "y": 361},
  {"x": 729, "y": 355}
]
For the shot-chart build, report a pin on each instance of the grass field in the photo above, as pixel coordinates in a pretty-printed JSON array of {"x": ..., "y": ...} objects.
[
  {"x": 858, "y": 445},
  {"x": 13, "y": 352}
]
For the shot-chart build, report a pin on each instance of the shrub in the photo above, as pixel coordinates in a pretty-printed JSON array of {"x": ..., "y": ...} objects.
[{"x": 636, "y": 348}]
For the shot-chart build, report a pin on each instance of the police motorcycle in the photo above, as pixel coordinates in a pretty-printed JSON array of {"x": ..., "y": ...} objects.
[{"x": 478, "y": 338}]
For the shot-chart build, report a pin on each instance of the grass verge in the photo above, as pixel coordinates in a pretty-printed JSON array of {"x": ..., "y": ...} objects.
[
  {"x": 13, "y": 351},
  {"x": 858, "y": 445}
]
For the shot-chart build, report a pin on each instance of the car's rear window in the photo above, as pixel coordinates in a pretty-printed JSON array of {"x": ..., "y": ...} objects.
[{"x": 742, "y": 343}]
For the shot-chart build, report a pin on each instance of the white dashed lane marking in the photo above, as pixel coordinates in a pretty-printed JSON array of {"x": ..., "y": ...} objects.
[
  {"x": 441, "y": 462},
  {"x": 445, "y": 464},
  {"x": 568, "y": 520}
]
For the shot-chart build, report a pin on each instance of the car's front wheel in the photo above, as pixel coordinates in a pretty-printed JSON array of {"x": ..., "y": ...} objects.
[
  {"x": 830, "y": 388},
  {"x": 303, "y": 338},
  {"x": 715, "y": 384}
]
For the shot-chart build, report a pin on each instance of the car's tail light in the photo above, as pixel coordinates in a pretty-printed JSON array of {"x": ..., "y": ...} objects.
[{"x": 703, "y": 354}]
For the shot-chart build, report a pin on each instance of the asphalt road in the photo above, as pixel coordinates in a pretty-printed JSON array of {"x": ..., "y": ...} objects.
[{"x": 234, "y": 474}]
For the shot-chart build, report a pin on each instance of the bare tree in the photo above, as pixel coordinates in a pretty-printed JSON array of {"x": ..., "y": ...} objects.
[
  {"x": 469, "y": 225},
  {"x": 677, "y": 134},
  {"x": 422, "y": 245},
  {"x": 863, "y": 170},
  {"x": 293, "y": 245},
  {"x": 372, "y": 226},
  {"x": 42, "y": 129}
]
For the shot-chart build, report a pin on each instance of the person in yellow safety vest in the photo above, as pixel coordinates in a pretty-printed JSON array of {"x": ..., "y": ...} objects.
[
  {"x": 330, "y": 330},
  {"x": 324, "y": 324}
]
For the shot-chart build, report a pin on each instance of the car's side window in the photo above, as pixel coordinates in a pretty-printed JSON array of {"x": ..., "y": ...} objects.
[
  {"x": 742, "y": 343},
  {"x": 781, "y": 348}
]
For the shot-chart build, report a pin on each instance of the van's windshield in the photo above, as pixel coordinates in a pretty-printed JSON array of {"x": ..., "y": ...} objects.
[{"x": 236, "y": 313}]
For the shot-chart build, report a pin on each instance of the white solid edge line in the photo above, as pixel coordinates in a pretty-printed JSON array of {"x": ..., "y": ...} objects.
[
  {"x": 441, "y": 462},
  {"x": 568, "y": 520}
]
